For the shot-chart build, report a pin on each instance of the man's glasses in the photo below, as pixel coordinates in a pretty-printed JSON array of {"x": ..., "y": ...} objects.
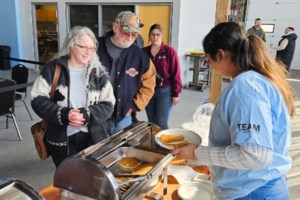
[
  {"x": 84, "y": 48},
  {"x": 128, "y": 34}
]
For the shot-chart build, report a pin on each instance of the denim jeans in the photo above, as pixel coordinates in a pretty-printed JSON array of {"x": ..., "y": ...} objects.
[
  {"x": 276, "y": 189},
  {"x": 113, "y": 127},
  {"x": 159, "y": 108}
]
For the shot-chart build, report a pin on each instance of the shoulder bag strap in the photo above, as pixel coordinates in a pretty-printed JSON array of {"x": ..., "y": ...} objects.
[{"x": 55, "y": 80}]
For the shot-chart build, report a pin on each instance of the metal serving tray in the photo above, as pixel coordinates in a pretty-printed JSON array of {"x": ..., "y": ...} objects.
[
  {"x": 96, "y": 179},
  {"x": 111, "y": 161},
  {"x": 146, "y": 156}
]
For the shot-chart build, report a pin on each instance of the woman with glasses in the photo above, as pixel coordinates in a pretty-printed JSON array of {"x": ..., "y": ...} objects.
[
  {"x": 83, "y": 99},
  {"x": 167, "y": 65},
  {"x": 250, "y": 128}
]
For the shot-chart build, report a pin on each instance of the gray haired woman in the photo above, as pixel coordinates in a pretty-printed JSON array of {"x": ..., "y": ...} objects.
[{"x": 83, "y": 99}]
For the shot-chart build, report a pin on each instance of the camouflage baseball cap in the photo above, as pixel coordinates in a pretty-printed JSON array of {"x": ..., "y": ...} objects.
[{"x": 128, "y": 21}]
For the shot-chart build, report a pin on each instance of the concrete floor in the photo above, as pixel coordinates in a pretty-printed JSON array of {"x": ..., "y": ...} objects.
[{"x": 19, "y": 160}]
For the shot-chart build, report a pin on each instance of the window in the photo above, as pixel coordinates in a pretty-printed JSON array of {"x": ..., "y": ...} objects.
[
  {"x": 268, "y": 28},
  {"x": 109, "y": 13},
  {"x": 99, "y": 18},
  {"x": 85, "y": 15}
]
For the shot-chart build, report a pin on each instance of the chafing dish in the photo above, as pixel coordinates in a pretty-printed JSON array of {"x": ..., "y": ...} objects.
[
  {"x": 15, "y": 189},
  {"x": 94, "y": 172}
]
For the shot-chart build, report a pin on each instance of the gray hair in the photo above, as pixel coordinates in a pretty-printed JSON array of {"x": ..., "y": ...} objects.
[{"x": 71, "y": 40}]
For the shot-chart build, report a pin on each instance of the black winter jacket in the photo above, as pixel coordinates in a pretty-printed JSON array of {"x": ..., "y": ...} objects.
[
  {"x": 286, "y": 55},
  {"x": 135, "y": 78},
  {"x": 100, "y": 103}
]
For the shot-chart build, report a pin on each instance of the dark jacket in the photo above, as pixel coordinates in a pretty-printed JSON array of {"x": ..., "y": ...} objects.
[
  {"x": 286, "y": 55},
  {"x": 135, "y": 78},
  {"x": 100, "y": 102},
  {"x": 167, "y": 65}
]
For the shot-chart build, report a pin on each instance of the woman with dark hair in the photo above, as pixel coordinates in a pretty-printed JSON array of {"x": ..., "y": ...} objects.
[
  {"x": 250, "y": 130},
  {"x": 167, "y": 65}
]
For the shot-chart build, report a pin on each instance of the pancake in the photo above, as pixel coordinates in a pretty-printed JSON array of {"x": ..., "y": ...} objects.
[
  {"x": 178, "y": 161},
  {"x": 129, "y": 163},
  {"x": 173, "y": 139},
  {"x": 202, "y": 169},
  {"x": 143, "y": 169}
]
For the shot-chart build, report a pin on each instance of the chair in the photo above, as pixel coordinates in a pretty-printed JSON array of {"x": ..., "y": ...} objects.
[
  {"x": 20, "y": 74},
  {"x": 7, "y": 103}
]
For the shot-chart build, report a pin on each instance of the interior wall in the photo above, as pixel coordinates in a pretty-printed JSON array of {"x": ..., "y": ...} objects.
[
  {"x": 196, "y": 20},
  {"x": 26, "y": 33},
  {"x": 9, "y": 23}
]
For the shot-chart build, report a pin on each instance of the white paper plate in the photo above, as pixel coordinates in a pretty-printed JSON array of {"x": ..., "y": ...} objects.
[
  {"x": 190, "y": 136},
  {"x": 196, "y": 191}
]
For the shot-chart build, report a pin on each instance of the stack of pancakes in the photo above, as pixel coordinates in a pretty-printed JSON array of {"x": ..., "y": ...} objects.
[
  {"x": 178, "y": 161},
  {"x": 135, "y": 165},
  {"x": 173, "y": 140},
  {"x": 129, "y": 163}
]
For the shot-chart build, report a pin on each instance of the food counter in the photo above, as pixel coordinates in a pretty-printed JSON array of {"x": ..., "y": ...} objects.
[
  {"x": 95, "y": 172},
  {"x": 135, "y": 164},
  {"x": 53, "y": 193},
  {"x": 108, "y": 176}
]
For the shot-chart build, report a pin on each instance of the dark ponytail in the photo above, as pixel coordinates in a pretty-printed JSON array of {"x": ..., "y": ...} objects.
[
  {"x": 229, "y": 37},
  {"x": 242, "y": 57}
]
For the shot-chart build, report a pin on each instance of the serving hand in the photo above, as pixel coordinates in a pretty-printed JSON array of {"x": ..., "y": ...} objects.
[{"x": 186, "y": 151}]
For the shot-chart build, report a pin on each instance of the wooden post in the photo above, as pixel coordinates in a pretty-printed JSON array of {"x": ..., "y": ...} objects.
[{"x": 216, "y": 79}]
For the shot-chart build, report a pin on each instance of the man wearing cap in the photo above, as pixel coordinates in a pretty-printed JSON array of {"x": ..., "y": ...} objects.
[
  {"x": 131, "y": 71},
  {"x": 139, "y": 41}
]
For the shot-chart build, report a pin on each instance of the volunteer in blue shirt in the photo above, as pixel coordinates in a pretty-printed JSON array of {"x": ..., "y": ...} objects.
[{"x": 250, "y": 130}]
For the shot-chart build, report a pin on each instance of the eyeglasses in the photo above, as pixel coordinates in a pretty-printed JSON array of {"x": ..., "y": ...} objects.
[
  {"x": 128, "y": 34},
  {"x": 155, "y": 35},
  {"x": 84, "y": 48}
]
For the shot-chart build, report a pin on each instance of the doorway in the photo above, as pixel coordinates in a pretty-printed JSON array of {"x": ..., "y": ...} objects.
[{"x": 46, "y": 31}]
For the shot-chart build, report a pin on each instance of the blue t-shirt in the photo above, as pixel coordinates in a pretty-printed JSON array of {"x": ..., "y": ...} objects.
[{"x": 250, "y": 110}]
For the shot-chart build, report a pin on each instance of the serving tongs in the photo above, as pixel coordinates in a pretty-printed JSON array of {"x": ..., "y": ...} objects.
[{"x": 135, "y": 178}]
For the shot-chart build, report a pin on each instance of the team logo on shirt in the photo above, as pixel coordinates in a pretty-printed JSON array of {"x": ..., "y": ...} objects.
[
  {"x": 249, "y": 127},
  {"x": 132, "y": 72}
]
